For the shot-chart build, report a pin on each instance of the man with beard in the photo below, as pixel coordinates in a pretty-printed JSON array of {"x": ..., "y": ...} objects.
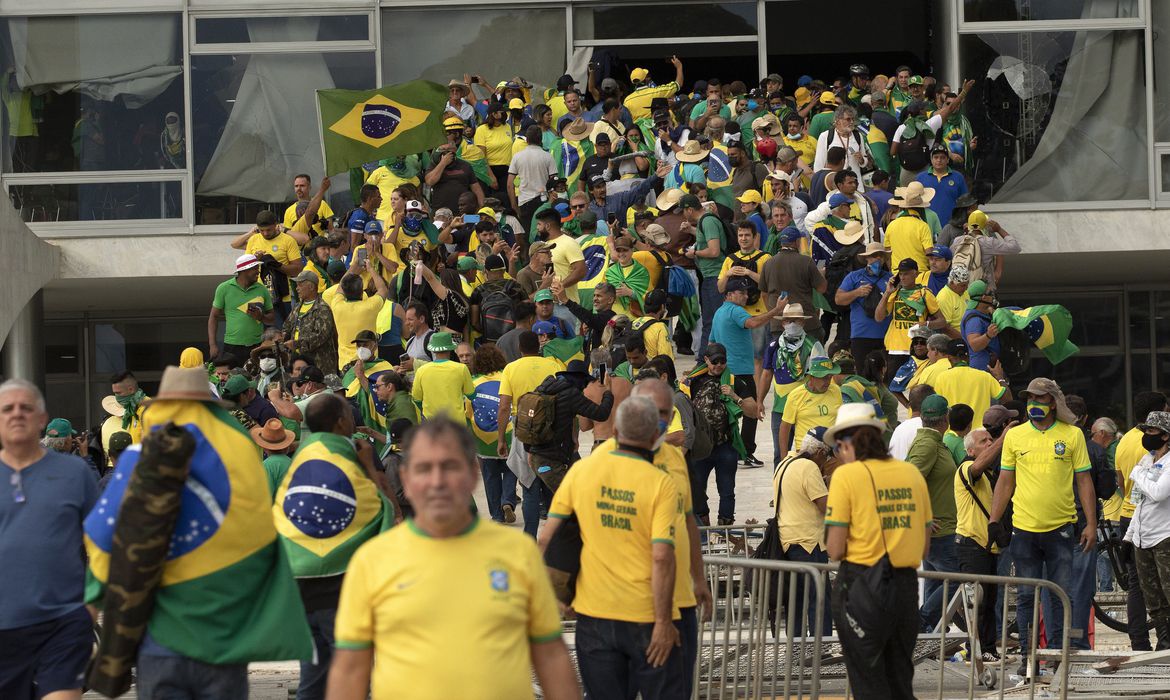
[
  {"x": 279, "y": 256},
  {"x": 244, "y": 305}
]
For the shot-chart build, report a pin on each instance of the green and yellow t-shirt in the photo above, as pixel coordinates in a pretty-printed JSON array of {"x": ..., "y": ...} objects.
[
  {"x": 498, "y": 143},
  {"x": 971, "y": 522},
  {"x": 233, "y": 300},
  {"x": 807, "y": 410},
  {"x": 638, "y": 101},
  {"x": 907, "y": 307},
  {"x": 800, "y": 522},
  {"x": 891, "y": 513},
  {"x": 1044, "y": 462},
  {"x": 624, "y": 505},
  {"x": 492, "y": 586},
  {"x": 654, "y": 334},
  {"x": 440, "y": 387},
  {"x": 324, "y": 211},
  {"x": 925, "y": 372},
  {"x": 670, "y": 459},
  {"x": 974, "y": 387}
]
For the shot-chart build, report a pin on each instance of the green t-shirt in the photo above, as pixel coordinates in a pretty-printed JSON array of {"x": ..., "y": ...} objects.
[
  {"x": 401, "y": 407},
  {"x": 241, "y": 329},
  {"x": 701, "y": 107},
  {"x": 275, "y": 468},
  {"x": 954, "y": 443},
  {"x": 710, "y": 228},
  {"x": 820, "y": 123}
]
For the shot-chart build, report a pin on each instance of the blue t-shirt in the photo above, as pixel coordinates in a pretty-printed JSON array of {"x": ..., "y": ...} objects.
[
  {"x": 862, "y": 325},
  {"x": 947, "y": 189},
  {"x": 358, "y": 220},
  {"x": 881, "y": 200},
  {"x": 935, "y": 282},
  {"x": 975, "y": 322},
  {"x": 41, "y": 538},
  {"x": 727, "y": 328},
  {"x": 761, "y": 227}
]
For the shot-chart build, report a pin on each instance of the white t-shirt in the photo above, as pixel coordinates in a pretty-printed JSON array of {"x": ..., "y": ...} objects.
[
  {"x": 934, "y": 124},
  {"x": 903, "y": 437},
  {"x": 533, "y": 165}
]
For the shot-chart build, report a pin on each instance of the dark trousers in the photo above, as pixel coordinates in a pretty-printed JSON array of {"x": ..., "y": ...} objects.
[
  {"x": 879, "y": 660},
  {"x": 1153, "y": 567},
  {"x": 1042, "y": 555},
  {"x": 796, "y": 553},
  {"x": 688, "y": 632},
  {"x": 1135, "y": 602},
  {"x": 840, "y": 318},
  {"x": 315, "y": 673},
  {"x": 709, "y": 301},
  {"x": 611, "y": 655},
  {"x": 240, "y": 352},
  {"x": 861, "y": 347},
  {"x": 533, "y": 497},
  {"x": 744, "y": 386},
  {"x": 976, "y": 559},
  {"x": 944, "y": 558},
  {"x": 181, "y": 678},
  {"x": 722, "y": 461},
  {"x": 499, "y": 486}
]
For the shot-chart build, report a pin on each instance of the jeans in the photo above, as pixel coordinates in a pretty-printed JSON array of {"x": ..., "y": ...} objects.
[
  {"x": 744, "y": 386},
  {"x": 181, "y": 678},
  {"x": 611, "y": 655},
  {"x": 945, "y": 558},
  {"x": 777, "y": 419},
  {"x": 688, "y": 632},
  {"x": 533, "y": 495},
  {"x": 976, "y": 559},
  {"x": 709, "y": 300},
  {"x": 1080, "y": 595},
  {"x": 722, "y": 461},
  {"x": 861, "y": 347},
  {"x": 1042, "y": 555},
  {"x": 498, "y": 484},
  {"x": 315, "y": 673},
  {"x": 796, "y": 553},
  {"x": 879, "y": 661},
  {"x": 1104, "y": 573},
  {"x": 1135, "y": 602}
]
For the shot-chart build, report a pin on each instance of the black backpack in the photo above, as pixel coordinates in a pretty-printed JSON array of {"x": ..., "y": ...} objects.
[
  {"x": 914, "y": 152},
  {"x": 753, "y": 290},
  {"x": 496, "y": 314},
  {"x": 728, "y": 232},
  {"x": 842, "y": 263}
]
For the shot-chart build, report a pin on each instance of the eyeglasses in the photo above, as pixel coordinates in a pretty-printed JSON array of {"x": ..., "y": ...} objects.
[
  {"x": 17, "y": 488},
  {"x": 577, "y": 206}
]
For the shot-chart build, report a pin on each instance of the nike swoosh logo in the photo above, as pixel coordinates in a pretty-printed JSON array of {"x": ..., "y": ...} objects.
[
  {"x": 407, "y": 584},
  {"x": 1023, "y": 452}
]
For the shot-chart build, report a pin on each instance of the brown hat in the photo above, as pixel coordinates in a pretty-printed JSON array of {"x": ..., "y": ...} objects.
[
  {"x": 623, "y": 242},
  {"x": 668, "y": 199},
  {"x": 693, "y": 152},
  {"x": 1047, "y": 387},
  {"x": 272, "y": 435},
  {"x": 874, "y": 248},
  {"x": 537, "y": 247},
  {"x": 656, "y": 235},
  {"x": 576, "y": 130},
  {"x": 180, "y": 384}
]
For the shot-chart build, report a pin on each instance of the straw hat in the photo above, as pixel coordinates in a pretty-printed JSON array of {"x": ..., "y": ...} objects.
[
  {"x": 693, "y": 152},
  {"x": 111, "y": 406},
  {"x": 850, "y": 234},
  {"x": 912, "y": 196},
  {"x": 576, "y": 130},
  {"x": 767, "y": 121},
  {"x": 668, "y": 199},
  {"x": 875, "y": 248},
  {"x": 180, "y": 384},
  {"x": 853, "y": 415},
  {"x": 272, "y": 435},
  {"x": 794, "y": 312}
]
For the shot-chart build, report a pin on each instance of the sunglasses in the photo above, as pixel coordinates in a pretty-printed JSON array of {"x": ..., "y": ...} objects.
[
  {"x": 17, "y": 488},
  {"x": 716, "y": 360},
  {"x": 578, "y": 206}
]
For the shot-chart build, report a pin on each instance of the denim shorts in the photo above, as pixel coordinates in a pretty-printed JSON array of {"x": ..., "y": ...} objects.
[{"x": 52, "y": 654}]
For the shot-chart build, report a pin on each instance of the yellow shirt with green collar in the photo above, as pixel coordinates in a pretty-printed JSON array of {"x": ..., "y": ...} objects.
[
  {"x": 1129, "y": 453},
  {"x": 497, "y": 601},
  {"x": 974, "y": 387},
  {"x": 323, "y": 212},
  {"x": 806, "y": 410},
  {"x": 282, "y": 247},
  {"x": 927, "y": 371},
  {"x": 1045, "y": 463},
  {"x": 904, "y": 316},
  {"x": 440, "y": 387},
  {"x": 952, "y": 305},
  {"x": 886, "y": 506},
  {"x": 624, "y": 506},
  {"x": 638, "y": 101}
]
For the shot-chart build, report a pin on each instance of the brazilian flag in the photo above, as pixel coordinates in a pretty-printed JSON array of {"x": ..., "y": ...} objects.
[
  {"x": 359, "y": 126},
  {"x": 373, "y": 411},
  {"x": 719, "y": 177},
  {"x": 570, "y": 157},
  {"x": 564, "y": 349},
  {"x": 326, "y": 507},
  {"x": 1047, "y": 326},
  {"x": 227, "y": 594}
]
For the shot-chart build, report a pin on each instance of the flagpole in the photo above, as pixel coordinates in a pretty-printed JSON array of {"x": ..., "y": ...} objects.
[{"x": 320, "y": 129}]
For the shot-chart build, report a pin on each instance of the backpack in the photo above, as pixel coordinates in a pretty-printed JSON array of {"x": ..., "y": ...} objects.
[
  {"x": 967, "y": 251},
  {"x": 1015, "y": 351},
  {"x": 496, "y": 313},
  {"x": 753, "y": 290},
  {"x": 702, "y": 447},
  {"x": 842, "y": 263},
  {"x": 914, "y": 152},
  {"x": 535, "y": 414}
]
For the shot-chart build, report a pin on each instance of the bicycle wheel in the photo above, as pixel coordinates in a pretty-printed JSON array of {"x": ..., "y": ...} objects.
[{"x": 1109, "y": 609}]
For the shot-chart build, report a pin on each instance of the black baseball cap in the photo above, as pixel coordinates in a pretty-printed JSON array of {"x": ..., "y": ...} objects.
[{"x": 311, "y": 374}]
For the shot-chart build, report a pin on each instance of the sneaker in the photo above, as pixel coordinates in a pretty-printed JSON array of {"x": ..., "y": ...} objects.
[
  {"x": 509, "y": 513},
  {"x": 989, "y": 657},
  {"x": 752, "y": 463},
  {"x": 726, "y": 521}
]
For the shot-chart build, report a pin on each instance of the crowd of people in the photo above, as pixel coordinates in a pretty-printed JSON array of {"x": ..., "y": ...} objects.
[{"x": 513, "y": 308}]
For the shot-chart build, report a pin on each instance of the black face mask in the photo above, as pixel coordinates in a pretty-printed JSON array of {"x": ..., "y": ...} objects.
[{"x": 1153, "y": 443}]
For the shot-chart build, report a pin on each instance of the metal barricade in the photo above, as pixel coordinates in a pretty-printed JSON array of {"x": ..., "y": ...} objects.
[
  {"x": 730, "y": 540},
  {"x": 754, "y": 646}
]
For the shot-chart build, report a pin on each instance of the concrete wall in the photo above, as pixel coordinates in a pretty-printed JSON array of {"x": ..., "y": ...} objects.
[{"x": 29, "y": 263}]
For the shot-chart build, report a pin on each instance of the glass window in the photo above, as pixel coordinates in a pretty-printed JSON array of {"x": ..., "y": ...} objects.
[
  {"x": 107, "y": 201},
  {"x": 142, "y": 346},
  {"x": 255, "y": 128},
  {"x": 1162, "y": 320},
  {"x": 1051, "y": 107},
  {"x": 1034, "y": 10},
  {"x": 1160, "y": 31},
  {"x": 1139, "y": 320},
  {"x": 649, "y": 21},
  {"x": 1099, "y": 380},
  {"x": 240, "y": 30},
  {"x": 96, "y": 92},
  {"x": 440, "y": 44},
  {"x": 62, "y": 348},
  {"x": 65, "y": 398}
]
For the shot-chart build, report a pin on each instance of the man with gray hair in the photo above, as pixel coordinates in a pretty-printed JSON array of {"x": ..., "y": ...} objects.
[
  {"x": 629, "y": 511},
  {"x": 1104, "y": 433},
  {"x": 46, "y": 633},
  {"x": 846, "y": 135},
  {"x": 974, "y": 482},
  {"x": 800, "y": 494}
]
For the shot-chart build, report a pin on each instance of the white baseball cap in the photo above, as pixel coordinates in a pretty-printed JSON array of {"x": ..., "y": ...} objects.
[{"x": 414, "y": 205}]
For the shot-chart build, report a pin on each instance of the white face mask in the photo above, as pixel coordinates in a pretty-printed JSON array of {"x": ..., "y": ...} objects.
[
  {"x": 267, "y": 364},
  {"x": 793, "y": 329},
  {"x": 364, "y": 354}
]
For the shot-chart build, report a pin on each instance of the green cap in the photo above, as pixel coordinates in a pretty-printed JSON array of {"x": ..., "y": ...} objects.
[
  {"x": 468, "y": 262},
  {"x": 916, "y": 80},
  {"x": 120, "y": 441},
  {"x": 934, "y": 407},
  {"x": 59, "y": 427},
  {"x": 975, "y": 291},
  {"x": 236, "y": 385},
  {"x": 543, "y": 295},
  {"x": 822, "y": 367},
  {"x": 441, "y": 341}
]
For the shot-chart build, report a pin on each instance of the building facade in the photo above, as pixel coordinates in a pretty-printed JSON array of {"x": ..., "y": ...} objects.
[{"x": 140, "y": 136}]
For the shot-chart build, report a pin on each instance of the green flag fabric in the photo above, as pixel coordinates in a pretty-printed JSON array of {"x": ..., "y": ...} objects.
[
  {"x": 326, "y": 507},
  {"x": 361, "y": 126},
  {"x": 1047, "y": 326},
  {"x": 564, "y": 349}
]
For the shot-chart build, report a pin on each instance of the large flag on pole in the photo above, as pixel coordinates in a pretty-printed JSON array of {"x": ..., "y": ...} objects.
[
  {"x": 1047, "y": 326},
  {"x": 359, "y": 126}
]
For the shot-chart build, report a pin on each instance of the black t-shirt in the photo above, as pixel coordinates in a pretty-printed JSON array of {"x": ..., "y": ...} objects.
[
  {"x": 508, "y": 287},
  {"x": 594, "y": 165},
  {"x": 456, "y": 179}
]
